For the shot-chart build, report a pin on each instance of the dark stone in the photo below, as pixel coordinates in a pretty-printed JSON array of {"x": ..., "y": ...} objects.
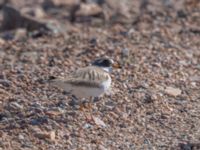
[
  {"x": 5, "y": 83},
  {"x": 39, "y": 120}
]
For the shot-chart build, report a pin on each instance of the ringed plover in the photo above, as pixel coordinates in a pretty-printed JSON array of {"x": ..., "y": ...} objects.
[{"x": 91, "y": 81}]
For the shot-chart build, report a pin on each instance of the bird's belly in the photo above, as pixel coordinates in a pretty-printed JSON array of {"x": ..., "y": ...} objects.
[
  {"x": 106, "y": 84},
  {"x": 86, "y": 92}
]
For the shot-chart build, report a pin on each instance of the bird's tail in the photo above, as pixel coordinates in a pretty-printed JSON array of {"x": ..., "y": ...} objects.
[{"x": 60, "y": 83}]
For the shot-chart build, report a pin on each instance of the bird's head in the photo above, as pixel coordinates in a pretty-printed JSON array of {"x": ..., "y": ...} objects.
[{"x": 105, "y": 63}]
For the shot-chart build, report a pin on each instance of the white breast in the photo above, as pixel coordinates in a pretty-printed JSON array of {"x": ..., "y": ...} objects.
[
  {"x": 101, "y": 79},
  {"x": 86, "y": 92},
  {"x": 106, "y": 84}
]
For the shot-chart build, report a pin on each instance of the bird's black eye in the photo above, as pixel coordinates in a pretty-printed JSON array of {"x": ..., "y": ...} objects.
[{"x": 102, "y": 62}]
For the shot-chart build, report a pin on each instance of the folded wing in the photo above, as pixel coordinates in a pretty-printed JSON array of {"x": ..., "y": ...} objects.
[{"x": 86, "y": 77}]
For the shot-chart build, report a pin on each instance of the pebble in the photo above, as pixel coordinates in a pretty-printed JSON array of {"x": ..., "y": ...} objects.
[
  {"x": 2, "y": 41},
  {"x": 21, "y": 137},
  {"x": 5, "y": 83},
  {"x": 173, "y": 91},
  {"x": 125, "y": 52},
  {"x": 87, "y": 126},
  {"x": 16, "y": 105},
  {"x": 101, "y": 147},
  {"x": 99, "y": 122}
]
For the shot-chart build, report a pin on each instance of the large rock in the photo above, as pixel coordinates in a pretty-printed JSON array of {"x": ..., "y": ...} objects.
[{"x": 13, "y": 18}]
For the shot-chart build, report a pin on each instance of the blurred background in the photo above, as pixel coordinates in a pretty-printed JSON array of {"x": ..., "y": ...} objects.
[{"x": 45, "y": 16}]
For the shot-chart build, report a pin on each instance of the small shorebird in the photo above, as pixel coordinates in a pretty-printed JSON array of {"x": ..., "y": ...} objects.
[{"x": 88, "y": 82}]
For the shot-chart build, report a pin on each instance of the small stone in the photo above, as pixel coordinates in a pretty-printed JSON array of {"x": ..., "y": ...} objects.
[
  {"x": 2, "y": 41},
  {"x": 20, "y": 34},
  {"x": 101, "y": 147},
  {"x": 39, "y": 120},
  {"x": 42, "y": 135},
  {"x": 189, "y": 146},
  {"x": 5, "y": 83},
  {"x": 125, "y": 52},
  {"x": 53, "y": 113},
  {"x": 29, "y": 56},
  {"x": 87, "y": 126},
  {"x": 195, "y": 78},
  {"x": 89, "y": 10},
  {"x": 46, "y": 135},
  {"x": 36, "y": 12},
  {"x": 110, "y": 104},
  {"x": 65, "y": 3},
  {"x": 16, "y": 105},
  {"x": 52, "y": 135},
  {"x": 98, "y": 122},
  {"x": 173, "y": 91},
  {"x": 21, "y": 137}
]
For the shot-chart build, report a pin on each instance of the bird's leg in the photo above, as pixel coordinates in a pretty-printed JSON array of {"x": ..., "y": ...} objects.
[
  {"x": 82, "y": 105},
  {"x": 90, "y": 103},
  {"x": 87, "y": 103},
  {"x": 95, "y": 100}
]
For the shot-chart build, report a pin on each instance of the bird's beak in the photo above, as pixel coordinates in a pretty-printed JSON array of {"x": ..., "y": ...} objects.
[{"x": 116, "y": 65}]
